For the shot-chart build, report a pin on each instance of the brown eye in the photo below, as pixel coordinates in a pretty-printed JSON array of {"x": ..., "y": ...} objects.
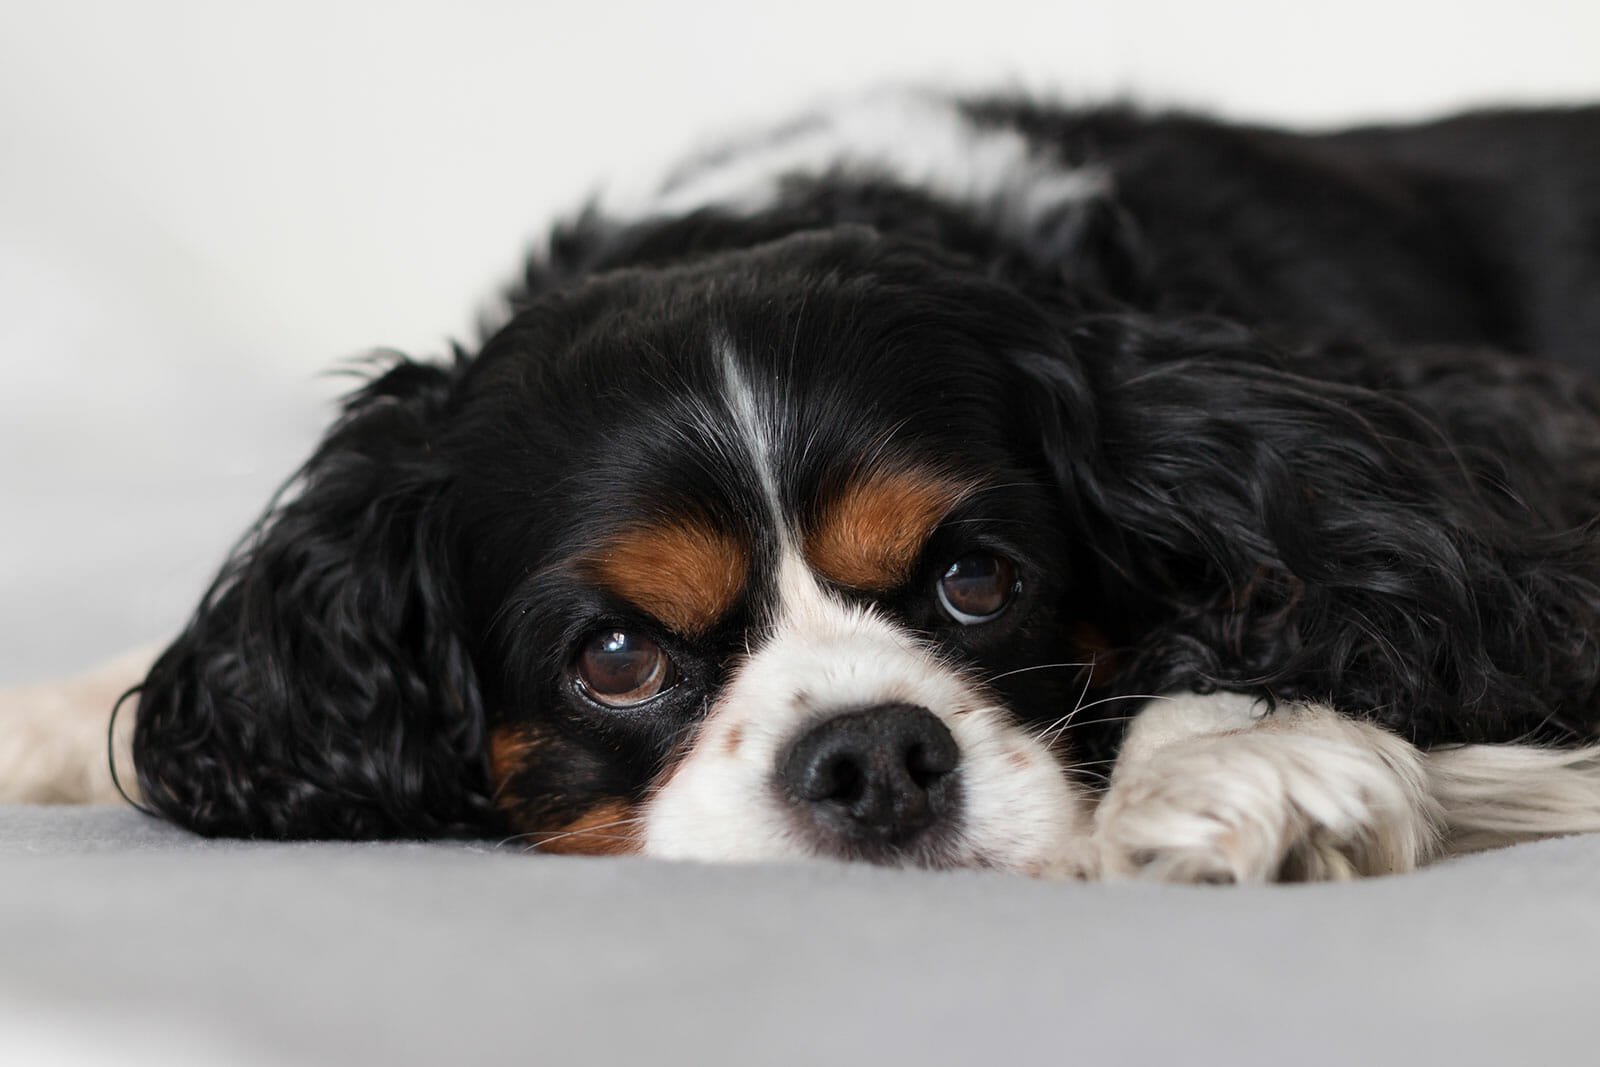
[
  {"x": 620, "y": 669},
  {"x": 978, "y": 587}
]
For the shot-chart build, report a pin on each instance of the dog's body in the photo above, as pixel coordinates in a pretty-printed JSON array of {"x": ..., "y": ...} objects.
[{"x": 847, "y": 494}]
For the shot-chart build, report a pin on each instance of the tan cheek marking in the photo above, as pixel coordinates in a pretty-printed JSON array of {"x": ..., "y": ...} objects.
[
  {"x": 870, "y": 534},
  {"x": 686, "y": 573},
  {"x": 608, "y": 829},
  {"x": 508, "y": 752}
]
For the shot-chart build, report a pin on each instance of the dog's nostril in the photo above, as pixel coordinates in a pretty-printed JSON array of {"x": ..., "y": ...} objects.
[
  {"x": 880, "y": 775},
  {"x": 928, "y": 763},
  {"x": 841, "y": 779}
]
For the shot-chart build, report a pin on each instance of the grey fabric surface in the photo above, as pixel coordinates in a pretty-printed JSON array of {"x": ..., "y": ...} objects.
[{"x": 428, "y": 954}]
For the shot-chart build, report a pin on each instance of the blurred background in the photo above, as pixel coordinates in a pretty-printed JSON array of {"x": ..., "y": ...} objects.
[{"x": 205, "y": 206}]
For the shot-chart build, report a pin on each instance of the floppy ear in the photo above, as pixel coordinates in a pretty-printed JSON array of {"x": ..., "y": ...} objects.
[
  {"x": 323, "y": 688},
  {"x": 1301, "y": 525}
]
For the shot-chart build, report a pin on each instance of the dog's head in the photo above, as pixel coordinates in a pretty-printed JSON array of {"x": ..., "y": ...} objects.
[
  {"x": 807, "y": 549},
  {"x": 760, "y": 556},
  {"x": 759, "y": 561}
]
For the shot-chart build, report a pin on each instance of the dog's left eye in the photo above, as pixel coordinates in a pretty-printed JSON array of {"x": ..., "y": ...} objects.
[
  {"x": 619, "y": 669},
  {"x": 977, "y": 587}
]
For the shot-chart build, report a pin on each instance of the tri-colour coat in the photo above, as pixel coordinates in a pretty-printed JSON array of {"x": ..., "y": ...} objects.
[{"x": 864, "y": 489}]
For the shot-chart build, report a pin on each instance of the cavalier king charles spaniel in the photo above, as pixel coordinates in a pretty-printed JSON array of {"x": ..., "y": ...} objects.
[{"x": 960, "y": 483}]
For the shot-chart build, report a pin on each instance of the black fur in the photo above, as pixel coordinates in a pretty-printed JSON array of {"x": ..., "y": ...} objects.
[
  {"x": 1281, "y": 414},
  {"x": 324, "y": 685}
]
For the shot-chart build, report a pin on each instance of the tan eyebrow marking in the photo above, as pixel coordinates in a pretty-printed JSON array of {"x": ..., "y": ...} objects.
[
  {"x": 869, "y": 534},
  {"x": 509, "y": 748},
  {"x": 685, "y": 572}
]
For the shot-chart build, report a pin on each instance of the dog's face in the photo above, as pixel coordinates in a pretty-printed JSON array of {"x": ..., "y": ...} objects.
[{"x": 761, "y": 564}]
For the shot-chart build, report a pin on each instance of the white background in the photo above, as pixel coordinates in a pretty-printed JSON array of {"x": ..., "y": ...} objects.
[{"x": 203, "y": 205}]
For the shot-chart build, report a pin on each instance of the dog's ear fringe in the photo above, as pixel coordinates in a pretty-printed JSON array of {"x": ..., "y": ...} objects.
[
  {"x": 322, "y": 688},
  {"x": 1267, "y": 519}
]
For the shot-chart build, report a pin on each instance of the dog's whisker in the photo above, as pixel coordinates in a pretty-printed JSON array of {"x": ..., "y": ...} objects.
[
  {"x": 535, "y": 846},
  {"x": 1097, "y": 722},
  {"x": 1040, "y": 667},
  {"x": 1094, "y": 762},
  {"x": 538, "y": 846},
  {"x": 547, "y": 836},
  {"x": 1054, "y": 730}
]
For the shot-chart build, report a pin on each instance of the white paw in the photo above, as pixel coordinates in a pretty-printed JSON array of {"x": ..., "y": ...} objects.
[
  {"x": 53, "y": 736},
  {"x": 1302, "y": 796}
]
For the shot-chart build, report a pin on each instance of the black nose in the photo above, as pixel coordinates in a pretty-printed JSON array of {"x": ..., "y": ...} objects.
[{"x": 878, "y": 777}]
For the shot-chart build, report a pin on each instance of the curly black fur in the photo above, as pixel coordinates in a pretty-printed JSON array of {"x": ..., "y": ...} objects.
[{"x": 324, "y": 685}]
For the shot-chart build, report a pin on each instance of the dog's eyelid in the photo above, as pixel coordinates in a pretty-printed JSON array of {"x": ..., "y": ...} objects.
[{"x": 974, "y": 533}]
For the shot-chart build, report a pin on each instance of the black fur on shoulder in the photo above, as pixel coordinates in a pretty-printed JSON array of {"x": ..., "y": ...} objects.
[
  {"x": 323, "y": 688},
  {"x": 1406, "y": 534}
]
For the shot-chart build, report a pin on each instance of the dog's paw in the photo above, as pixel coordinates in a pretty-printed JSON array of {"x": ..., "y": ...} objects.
[
  {"x": 1304, "y": 797},
  {"x": 53, "y": 736}
]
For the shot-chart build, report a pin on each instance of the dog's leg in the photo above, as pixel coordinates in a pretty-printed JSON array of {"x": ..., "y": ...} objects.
[
  {"x": 53, "y": 736},
  {"x": 1212, "y": 789}
]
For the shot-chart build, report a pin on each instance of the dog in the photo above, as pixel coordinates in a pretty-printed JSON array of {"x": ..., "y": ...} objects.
[{"x": 960, "y": 482}]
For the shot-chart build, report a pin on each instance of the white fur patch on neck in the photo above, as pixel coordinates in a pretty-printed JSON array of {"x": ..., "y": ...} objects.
[{"x": 918, "y": 140}]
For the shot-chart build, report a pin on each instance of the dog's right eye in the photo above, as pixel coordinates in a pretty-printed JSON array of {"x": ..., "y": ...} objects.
[
  {"x": 620, "y": 669},
  {"x": 977, "y": 587}
]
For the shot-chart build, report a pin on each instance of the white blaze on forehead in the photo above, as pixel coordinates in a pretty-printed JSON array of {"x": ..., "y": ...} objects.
[
  {"x": 755, "y": 429},
  {"x": 919, "y": 140},
  {"x": 825, "y": 657}
]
